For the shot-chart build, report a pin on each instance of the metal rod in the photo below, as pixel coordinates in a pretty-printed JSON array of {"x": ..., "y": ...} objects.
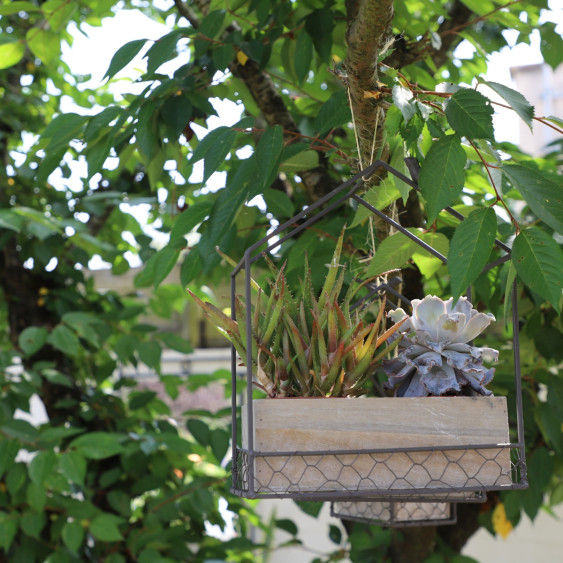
[
  {"x": 389, "y": 493},
  {"x": 309, "y": 221},
  {"x": 249, "y": 405},
  {"x": 363, "y": 174},
  {"x": 234, "y": 428},
  {"x": 410, "y": 449},
  {"x": 400, "y": 228},
  {"x": 497, "y": 262},
  {"x": 518, "y": 382}
]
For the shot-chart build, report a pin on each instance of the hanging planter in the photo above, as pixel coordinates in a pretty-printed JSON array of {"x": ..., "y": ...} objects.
[
  {"x": 330, "y": 434},
  {"x": 314, "y": 438},
  {"x": 396, "y": 514}
]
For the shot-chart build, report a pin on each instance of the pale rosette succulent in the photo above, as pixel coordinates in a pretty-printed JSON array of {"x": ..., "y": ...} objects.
[{"x": 435, "y": 355}]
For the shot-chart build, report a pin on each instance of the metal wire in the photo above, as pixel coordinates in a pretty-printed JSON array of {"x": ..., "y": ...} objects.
[{"x": 396, "y": 514}]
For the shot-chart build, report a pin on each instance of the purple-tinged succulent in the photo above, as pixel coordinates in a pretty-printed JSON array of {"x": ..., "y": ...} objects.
[{"x": 436, "y": 356}]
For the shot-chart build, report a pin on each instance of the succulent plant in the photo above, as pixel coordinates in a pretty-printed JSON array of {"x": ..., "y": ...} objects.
[
  {"x": 307, "y": 346},
  {"x": 436, "y": 356}
]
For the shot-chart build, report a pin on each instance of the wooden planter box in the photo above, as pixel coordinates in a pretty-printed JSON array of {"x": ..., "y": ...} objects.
[
  {"x": 396, "y": 513},
  {"x": 336, "y": 430}
]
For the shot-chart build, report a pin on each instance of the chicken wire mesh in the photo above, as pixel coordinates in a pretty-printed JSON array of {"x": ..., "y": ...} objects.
[
  {"x": 396, "y": 514},
  {"x": 460, "y": 473}
]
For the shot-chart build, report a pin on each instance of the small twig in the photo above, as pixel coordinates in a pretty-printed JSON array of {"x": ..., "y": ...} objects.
[
  {"x": 497, "y": 193},
  {"x": 186, "y": 11},
  {"x": 548, "y": 124},
  {"x": 478, "y": 19}
]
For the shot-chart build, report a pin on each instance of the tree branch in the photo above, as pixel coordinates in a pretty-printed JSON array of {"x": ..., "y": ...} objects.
[
  {"x": 369, "y": 25},
  {"x": 408, "y": 53}
]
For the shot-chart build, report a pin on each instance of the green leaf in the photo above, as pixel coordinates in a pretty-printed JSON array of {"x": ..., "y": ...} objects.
[
  {"x": 191, "y": 268},
  {"x": 32, "y": 339},
  {"x": 176, "y": 112},
  {"x": 377, "y": 196},
  {"x": 15, "y": 7},
  {"x": 403, "y": 98},
  {"x": 64, "y": 340},
  {"x": 470, "y": 114},
  {"x": 427, "y": 263},
  {"x": 175, "y": 342},
  {"x": 98, "y": 445},
  {"x": 32, "y": 523},
  {"x": 20, "y": 430},
  {"x": 58, "y": 13},
  {"x": 398, "y": 162},
  {"x": 163, "y": 50},
  {"x": 470, "y": 249},
  {"x": 139, "y": 399},
  {"x": 514, "y": 99},
  {"x": 219, "y": 441},
  {"x": 334, "y": 113},
  {"x": 36, "y": 496},
  {"x": 220, "y": 140},
  {"x": 11, "y": 53},
  {"x": 199, "y": 430},
  {"x": 63, "y": 129},
  {"x": 303, "y": 55},
  {"x": 190, "y": 218},
  {"x": 96, "y": 154},
  {"x": 73, "y": 466},
  {"x": 542, "y": 195},
  {"x": 302, "y": 161},
  {"x": 120, "y": 501},
  {"x": 73, "y": 535},
  {"x": 8, "y": 451},
  {"x": 268, "y": 153},
  {"x": 538, "y": 259},
  {"x": 10, "y": 220},
  {"x": 123, "y": 56},
  {"x": 551, "y": 45},
  {"x": 84, "y": 324},
  {"x": 442, "y": 174},
  {"x": 41, "y": 466},
  {"x": 335, "y": 534},
  {"x": 319, "y": 25},
  {"x": 105, "y": 527},
  {"x": 312, "y": 508},
  {"x": 391, "y": 254},
  {"x": 278, "y": 203},
  {"x": 287, "y": 525},
  {"x": 9, "y": 523},
  {"x": 45, "y": 45},
  {"x": 150, "y": 353},
  {"x": 208, "y": 142},
  {"x": 164, "y": 261},
  {"x": 100, "y": 121}
]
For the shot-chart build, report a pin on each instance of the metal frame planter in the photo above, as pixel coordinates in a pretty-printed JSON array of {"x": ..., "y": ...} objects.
[
  {"x": 441, "y": 448},
  {"x": 396, "y": 514}
]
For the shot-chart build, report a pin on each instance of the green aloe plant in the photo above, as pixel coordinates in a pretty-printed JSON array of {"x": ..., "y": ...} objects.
[{"x": 307, "y": 346}]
